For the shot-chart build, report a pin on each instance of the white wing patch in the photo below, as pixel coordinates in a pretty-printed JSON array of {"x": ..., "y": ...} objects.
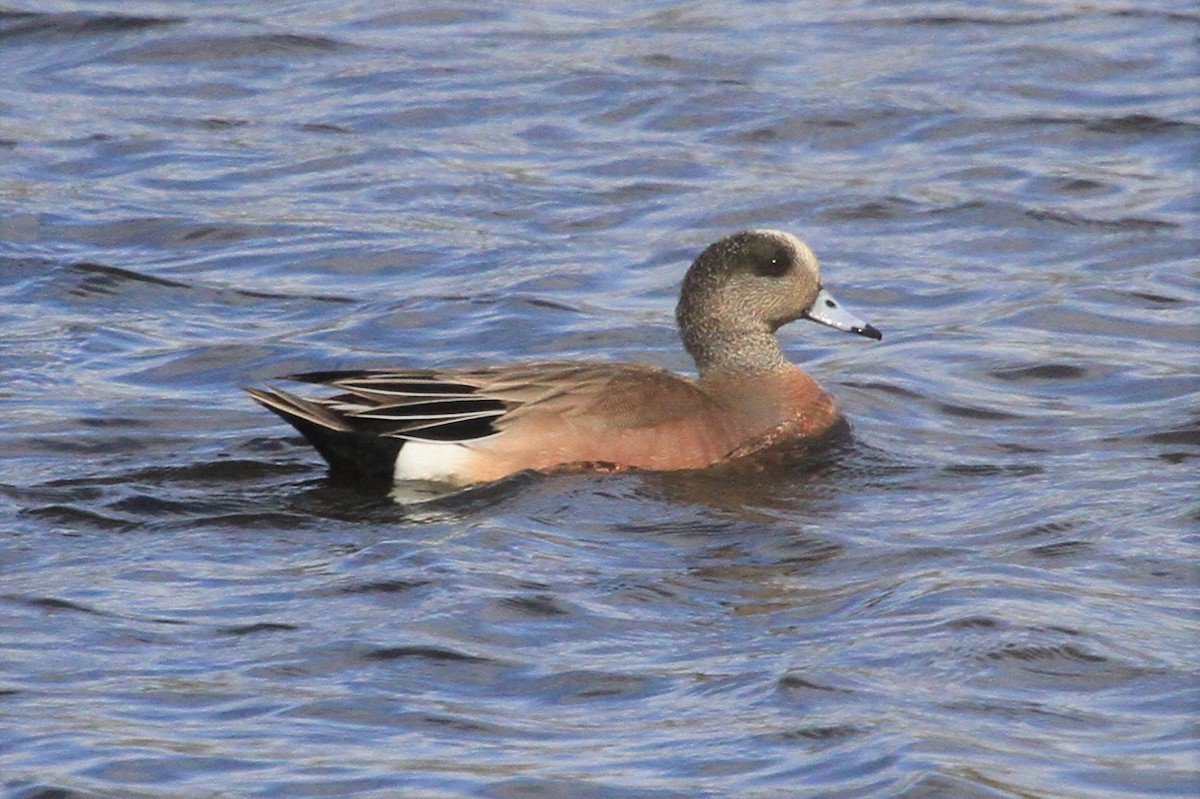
[{"x": 435, "y": 461}]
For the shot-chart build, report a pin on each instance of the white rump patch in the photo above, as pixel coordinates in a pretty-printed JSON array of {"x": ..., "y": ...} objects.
[{"x": 438, "y": 462}]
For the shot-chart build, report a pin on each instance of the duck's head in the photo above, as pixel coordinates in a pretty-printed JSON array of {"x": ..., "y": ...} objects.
[{"x": 743, "y": 288}]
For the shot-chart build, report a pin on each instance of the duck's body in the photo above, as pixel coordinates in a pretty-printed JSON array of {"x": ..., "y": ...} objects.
[{"x": 470, "y": 426}]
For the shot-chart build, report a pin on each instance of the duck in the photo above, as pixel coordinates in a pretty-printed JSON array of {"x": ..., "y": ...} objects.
[{"x": 462, "y": 427}]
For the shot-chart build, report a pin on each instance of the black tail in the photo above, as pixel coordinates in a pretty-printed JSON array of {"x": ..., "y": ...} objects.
[{"x": 351, "y": 455}]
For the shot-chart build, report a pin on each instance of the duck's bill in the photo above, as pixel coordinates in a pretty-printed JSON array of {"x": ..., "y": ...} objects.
[{"x": 828, "y": 311}]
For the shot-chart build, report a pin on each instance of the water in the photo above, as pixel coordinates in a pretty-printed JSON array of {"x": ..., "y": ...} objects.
[{"x": 989, "y": 591}]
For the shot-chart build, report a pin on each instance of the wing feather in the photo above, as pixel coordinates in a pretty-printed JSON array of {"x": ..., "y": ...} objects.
[{"x": 469, "y": 405}]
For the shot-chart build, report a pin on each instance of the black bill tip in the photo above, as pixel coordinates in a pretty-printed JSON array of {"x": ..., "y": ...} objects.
[{"x": 870, "y": 331}]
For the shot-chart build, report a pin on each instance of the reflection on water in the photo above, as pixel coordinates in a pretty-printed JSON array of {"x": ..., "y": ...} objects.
[{"x": 987, "y": 589}]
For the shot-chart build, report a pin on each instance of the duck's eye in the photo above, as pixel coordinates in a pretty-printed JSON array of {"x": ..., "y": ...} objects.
[{"x": 774, "y": 263}]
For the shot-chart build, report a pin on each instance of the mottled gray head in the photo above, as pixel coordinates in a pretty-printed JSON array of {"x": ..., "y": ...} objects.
[{"x": 742, "y": 289}]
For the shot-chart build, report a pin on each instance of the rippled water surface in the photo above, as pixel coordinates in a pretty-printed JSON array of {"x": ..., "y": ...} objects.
[{"x": 989, "y": 590}]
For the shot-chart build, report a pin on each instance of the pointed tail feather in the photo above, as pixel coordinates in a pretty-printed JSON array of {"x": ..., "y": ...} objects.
[{"x": 349, "y": 453}]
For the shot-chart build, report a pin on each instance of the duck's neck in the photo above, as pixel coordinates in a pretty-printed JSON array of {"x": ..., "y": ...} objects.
[{"x": 719, "y": 349}]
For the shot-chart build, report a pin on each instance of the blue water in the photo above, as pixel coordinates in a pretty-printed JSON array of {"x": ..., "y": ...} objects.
[{"x": 989, "y": 590}]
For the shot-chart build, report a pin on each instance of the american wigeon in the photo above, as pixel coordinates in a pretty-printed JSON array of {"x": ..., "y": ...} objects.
[{"x": 465, "y": 426}]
